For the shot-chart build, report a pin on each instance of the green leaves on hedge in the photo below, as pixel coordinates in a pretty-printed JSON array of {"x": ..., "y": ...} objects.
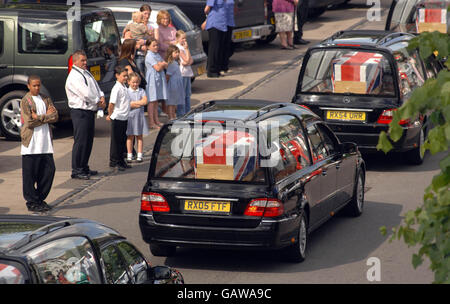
[{"x": 429, "y": 225}]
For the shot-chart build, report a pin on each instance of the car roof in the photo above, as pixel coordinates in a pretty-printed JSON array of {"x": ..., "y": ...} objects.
[
  {"x": 131, "y": 5},
  {"x": 365, "y": 38},
  {"x": 20, "y": 233},
  {"x": 49, "y": 10},
  {"x": 240, "y": 110}
]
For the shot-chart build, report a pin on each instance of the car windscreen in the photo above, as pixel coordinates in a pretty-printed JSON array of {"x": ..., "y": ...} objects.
[
  {"x": 12, "y": 272},
  {"x": 348, "y": 71},
  {"x": 12, "y": 232},
  {"x": 99, "y": 30},
  {"x": 208, "y": 151}
]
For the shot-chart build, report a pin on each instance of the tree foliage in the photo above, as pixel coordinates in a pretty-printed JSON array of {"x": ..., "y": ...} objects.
[{"x": 428, "y": 227}]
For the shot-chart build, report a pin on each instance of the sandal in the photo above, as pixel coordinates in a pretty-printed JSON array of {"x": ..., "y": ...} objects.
[{"x": 156, "y": 127}]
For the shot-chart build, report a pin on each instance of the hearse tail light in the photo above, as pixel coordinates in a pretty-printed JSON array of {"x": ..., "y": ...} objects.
[
  {"x": 387, "y": 115},
  {"x": 266, "y": 207},
  {"x": 154, "y": 202},
  {"x": 69, "y": 64}
]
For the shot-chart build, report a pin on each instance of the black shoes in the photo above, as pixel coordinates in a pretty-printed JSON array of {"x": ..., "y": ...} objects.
[
  {"x": 301, "y": 41},
  {"x": 38, "y": 207},
  {"x": 82, "y": 176},
  {"x": 120, "y": 167},
  {"x": 213, "y": 75}
]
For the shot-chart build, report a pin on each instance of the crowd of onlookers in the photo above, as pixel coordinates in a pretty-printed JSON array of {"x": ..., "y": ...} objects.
[{"x": 153, "y": 70}]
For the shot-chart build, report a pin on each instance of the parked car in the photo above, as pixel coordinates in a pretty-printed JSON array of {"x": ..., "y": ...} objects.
[
  {"x": 122, "y": 12},
  {"x": 354, "y": 81},
  {"x": 251, "y": 17},
  {"x": 220, "y": 177},
  {"x": 39, "y": 39},
  {"x": 415, "y": 16},
  {"x": 62, "y": 250}
]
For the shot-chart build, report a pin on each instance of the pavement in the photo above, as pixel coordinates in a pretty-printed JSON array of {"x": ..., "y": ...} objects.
[{"x": 247, "y": 73}]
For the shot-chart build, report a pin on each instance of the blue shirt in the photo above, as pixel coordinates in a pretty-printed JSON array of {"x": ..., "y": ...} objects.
[
  {"x": 217, "y": 17},
  {"x": 230, "y": 13}
]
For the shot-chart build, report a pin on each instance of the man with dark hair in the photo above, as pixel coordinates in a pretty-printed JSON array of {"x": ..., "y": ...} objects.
[
  {"x": 85, "y": 97},
  {"x": 302, "y": 16},
  {"x": 38, "y": 166}
]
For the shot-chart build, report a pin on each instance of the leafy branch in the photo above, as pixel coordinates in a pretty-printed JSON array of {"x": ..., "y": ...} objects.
[{"x": 429, "y": 225}]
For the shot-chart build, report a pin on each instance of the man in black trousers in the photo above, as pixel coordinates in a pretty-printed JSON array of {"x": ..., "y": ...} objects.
[
  {"x": 302, "y": 16},
  {"x": 84, "y": 97}
]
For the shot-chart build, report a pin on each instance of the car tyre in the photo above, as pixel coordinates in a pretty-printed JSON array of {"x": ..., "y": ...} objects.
[
  {"x": 162, "y": 250},
  {"x": 414, "y": 156},
  {"x": 356, "y": 205},
  {"x": 296, "y": 253},
  {"x": 10, "y": 114}
]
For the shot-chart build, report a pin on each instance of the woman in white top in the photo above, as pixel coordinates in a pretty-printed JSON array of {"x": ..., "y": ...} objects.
[{"x": 186, "y": 71}]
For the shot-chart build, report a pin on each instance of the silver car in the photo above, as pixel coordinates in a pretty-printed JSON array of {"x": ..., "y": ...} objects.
[{"x": 122, "y": 12}]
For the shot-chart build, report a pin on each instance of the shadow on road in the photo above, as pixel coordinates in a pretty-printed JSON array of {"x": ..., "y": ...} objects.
[
  {"x": 328, "y": 246},
  {"x": 397, "y": 162}
]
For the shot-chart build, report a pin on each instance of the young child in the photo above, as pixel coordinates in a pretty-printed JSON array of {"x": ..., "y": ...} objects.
[
  {"x": 38, "y": 166},
  {"x": 118, "y": 111},
  {"x": 137, "y": 29},
  {"x": 175, "y": 86},
  {"x": 137, "y": 125},
  {"x": 156, "y": 82},
  {"x": 186, "y": 71}
]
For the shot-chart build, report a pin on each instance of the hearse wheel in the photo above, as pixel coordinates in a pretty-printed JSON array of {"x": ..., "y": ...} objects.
[
  {"x": 162, "y": 250},
  {"x": 296, "y": 253},
  {"x": 414, "y": 156},
  {"x": 356, "y": 205}
]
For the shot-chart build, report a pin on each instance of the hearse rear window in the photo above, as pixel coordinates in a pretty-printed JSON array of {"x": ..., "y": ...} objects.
[
  {"x": 208, "y": 152},
  {"x": 346, "y": 71},
  {"x": 42, "y": 36}
]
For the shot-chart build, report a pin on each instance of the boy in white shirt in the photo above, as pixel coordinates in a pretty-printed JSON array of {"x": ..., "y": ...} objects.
[
  {"x": 118, "y": 109},
  {"x": 38, "y": 166}
]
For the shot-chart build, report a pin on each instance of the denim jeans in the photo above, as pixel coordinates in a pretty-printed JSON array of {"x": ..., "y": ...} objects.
[{"x": 184, "y": 108}]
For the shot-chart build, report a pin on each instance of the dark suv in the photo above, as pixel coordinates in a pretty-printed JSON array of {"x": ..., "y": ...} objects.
[
  {"x": 39, "y": 39},
  {"x": 62, "y": 250},
  {"x": 247, "y": 174}
]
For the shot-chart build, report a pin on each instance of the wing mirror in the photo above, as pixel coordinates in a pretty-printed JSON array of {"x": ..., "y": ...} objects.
[{"x": 348, "y": 148}]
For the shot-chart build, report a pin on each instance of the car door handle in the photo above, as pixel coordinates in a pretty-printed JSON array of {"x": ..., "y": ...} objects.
[
  {"x": 3, "y": 66},
  {"x": 324, "y": 172},
  {"x": 338, "y": 165}
]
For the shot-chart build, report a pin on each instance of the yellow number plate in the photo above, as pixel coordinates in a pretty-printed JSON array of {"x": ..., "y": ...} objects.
[
  {"x": 346, "y": 115},
  {"x": 242, "y": 35},
  {"x": 95, "y": 71},
  {"x": 201, "y": 70},
  {"x": 207, "y": 206}
]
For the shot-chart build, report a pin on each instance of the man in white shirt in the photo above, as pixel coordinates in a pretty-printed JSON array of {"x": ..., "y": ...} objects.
[
  {"x": 38, "y": 166},
  {"x": 85, "y": 97}
]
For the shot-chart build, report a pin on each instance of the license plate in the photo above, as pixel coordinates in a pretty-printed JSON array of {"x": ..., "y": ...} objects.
[
  {"x": 346, "y": 115},
  {"x": 201, "y": 70},
  {"x": 95, "y": 71},
  {"x": 207, "y": 206},
  {"x": 242, "y": 35}
]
